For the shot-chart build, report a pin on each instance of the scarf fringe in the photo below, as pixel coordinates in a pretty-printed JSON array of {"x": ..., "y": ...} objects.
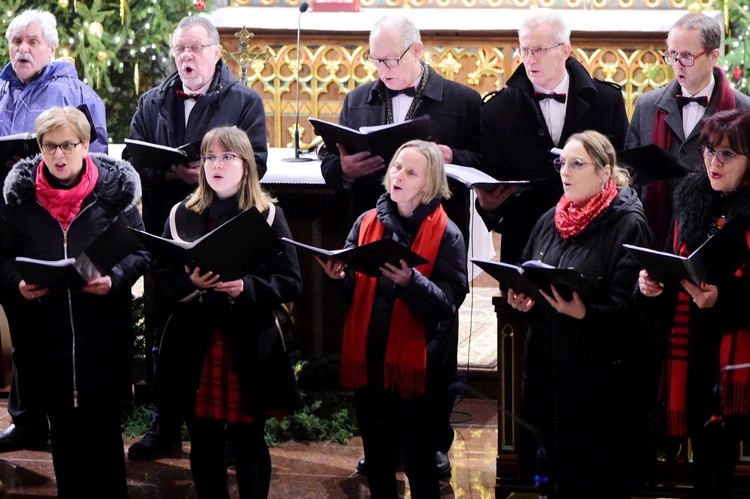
[
  {"x": 677, "y": 423},
  {"x": 736, "y": 399},
  {"x": 353, "y": 375},
  {"x": 410, "y": 381}
]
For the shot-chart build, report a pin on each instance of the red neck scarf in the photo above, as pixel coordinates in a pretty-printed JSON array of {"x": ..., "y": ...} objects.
[
  {"x": 406, "y": 352},
  {"x": 656, "y": 192},
  {"x": 735, "y": 349},
  {"x": 65, "y": 204},
  {"x": 570, "y": 220}
]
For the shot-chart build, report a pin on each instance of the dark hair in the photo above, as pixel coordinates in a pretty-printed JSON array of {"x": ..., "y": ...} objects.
[
  {"x": 710, "y": 29},
  {"x": 733, "y": 124}
]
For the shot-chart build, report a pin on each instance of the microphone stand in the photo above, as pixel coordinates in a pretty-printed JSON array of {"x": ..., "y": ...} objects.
[
  {"x": 542, "y": 482},
  {"x": 297, "y": 159}
]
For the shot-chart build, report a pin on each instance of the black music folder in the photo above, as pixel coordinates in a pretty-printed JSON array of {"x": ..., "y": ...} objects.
[
  {"x": 471, "y": 177},
  {"x": 649, "y": 163},
  {"x": 369, "y": 257},
  {"x": 18, "y": 145},
  {"x": 106, "y": 251},
  {"x": 533, "y": 275},
  {"x": 232, "y": 250},
  {"x": 147, "y": 155},
  {"x": 718, "y": 257},
  {"x": 379, "y": 140}
]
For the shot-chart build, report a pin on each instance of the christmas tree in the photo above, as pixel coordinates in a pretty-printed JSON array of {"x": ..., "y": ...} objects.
[
  {"x": 735, "y": 62},
  {"x": 120, "y": 48}
]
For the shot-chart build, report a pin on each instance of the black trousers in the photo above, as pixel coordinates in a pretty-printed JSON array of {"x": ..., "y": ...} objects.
[
  {"x": 253, "y": 461},
  {"x": 382, "y": 415},
  {"x": 713, "y": 463},
  {"x": 32, "y": 419},
  {"x": 87, "y": 449}
]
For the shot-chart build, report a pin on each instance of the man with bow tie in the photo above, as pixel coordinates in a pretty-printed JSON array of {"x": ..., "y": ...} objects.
[
  {"x": 672, "y": 117},
  {"x": 200, "y": 95},
  {"x": 407, "y": 88},
  {"x": 549, "y": 97}
]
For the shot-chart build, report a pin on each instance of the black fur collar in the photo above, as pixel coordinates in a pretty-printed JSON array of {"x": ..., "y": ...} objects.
[{"x": 697, "y": 206}]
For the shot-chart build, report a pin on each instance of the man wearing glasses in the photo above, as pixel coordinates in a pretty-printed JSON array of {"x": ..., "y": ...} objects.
[
  {"x": 672, "y": 117},
  {"x": 548, "y": 98},
  {"x": 200, "y": 95},
  {"x": 408, "y": 88},
  {"x": 31, "y": 83}
]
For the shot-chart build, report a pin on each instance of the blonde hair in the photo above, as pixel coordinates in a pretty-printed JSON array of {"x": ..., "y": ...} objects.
[
  {"x": 603, "y": 153},
  {"x": 437, "y": 183},
  {"x": 249, "y": 192},
  {"x": 57, "y": 117}
]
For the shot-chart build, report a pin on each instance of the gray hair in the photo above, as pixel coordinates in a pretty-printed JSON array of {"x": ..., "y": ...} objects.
[
  {"x": 710, "y": 29},
  {"x": 45, "y": 20},
  {"x": 191, "y": 21},
  {"x": 405, "y": 27},
  {"x": 549, "y": 18}
]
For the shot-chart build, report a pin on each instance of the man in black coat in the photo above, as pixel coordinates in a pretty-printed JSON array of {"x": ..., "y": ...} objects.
[
  {"x": 201, "y": 95},
  {"x": 408, "y": 88},
  {"x": 548, "y": 98}
]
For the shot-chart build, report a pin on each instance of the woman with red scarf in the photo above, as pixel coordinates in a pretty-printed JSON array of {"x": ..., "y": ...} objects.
[
  {"x": 400, "y": 325},
  {"x": 72, "y": 348},
  {"x": 707, "y": 327},
  {"x": 584, "y": 365}
]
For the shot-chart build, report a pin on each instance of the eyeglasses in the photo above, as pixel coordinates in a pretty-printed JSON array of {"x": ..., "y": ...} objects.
[
  {"x": 524, "y": 52},
  {"x": 224, "y": 158},
  {"x": 573, "y": 165},
  {"x": 66, "y": 147},
  {"x": 687, "y": 60},
  {"x": 389, "y": 63},
  {"x": 177, "y": 50},
  {"x": 724, "y": 157}
]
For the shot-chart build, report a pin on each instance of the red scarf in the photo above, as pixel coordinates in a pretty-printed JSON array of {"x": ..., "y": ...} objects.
[
  {"x": 65, "y": 204},
  {"x": 656, "y": 192},
  {"x": 735, "y": 349},
  {"x": 570, "y": 220},
  {"x": 406, "y": 352}
]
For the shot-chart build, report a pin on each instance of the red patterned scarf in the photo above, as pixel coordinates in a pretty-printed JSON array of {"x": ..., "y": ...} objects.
[
  {"x": 570, "y": 219},
  {"x": 656, "y": 192},
  {"x": 735, "y": 349},
  {"x": 406, "y": 352},
  {"x": 65, "y": 204}
]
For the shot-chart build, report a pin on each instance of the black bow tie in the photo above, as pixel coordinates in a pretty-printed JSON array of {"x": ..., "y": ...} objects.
[
  {"x": 683, "y": 101},
  {"x": 184, "y": 96},
  {"x": 410, "y": 91},
  {"x": 541, "y": 96}
]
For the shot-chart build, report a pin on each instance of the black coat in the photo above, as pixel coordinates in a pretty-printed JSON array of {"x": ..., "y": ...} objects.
[
  {"x": 584, "y": 379},
  {"x": 698, "y": 206},
  {"x": 436, "y": 300},
  {"x": 258, "y": 353},
  {"x": 49, "y": 331},
  {"x": 226, "y": 103},
  {"x": 454, "y": 110},
  {"x": 516, "y": 144}
]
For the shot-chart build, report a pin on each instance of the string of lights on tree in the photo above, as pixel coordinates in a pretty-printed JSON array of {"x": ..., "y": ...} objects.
[
  {"x": 119, "y": 47},
  {"x": 736, "y": 63}
]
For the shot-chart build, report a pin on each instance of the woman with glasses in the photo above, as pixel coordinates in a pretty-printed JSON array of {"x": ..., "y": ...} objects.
[
  {"x": 223, "y": 360},
  {"x": 707, "y": 327},
  {"x": 399, "y": 329},
  {"x": 585, "y": 359},
  {"x": 72, "y": 347}
]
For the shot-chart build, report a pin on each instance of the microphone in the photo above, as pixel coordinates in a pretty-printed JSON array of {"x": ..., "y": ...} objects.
[
  {"x": 297, "y": 159},
  {"x": 718, "y": 416},
  {"x": 542, "y": 482}
]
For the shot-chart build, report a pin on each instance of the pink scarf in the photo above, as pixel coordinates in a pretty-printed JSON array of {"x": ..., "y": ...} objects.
[{"x": 65, "y": 204}]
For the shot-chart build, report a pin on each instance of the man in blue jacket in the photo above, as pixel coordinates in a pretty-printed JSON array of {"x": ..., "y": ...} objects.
[
  {"x": 200, "y": 95},
  {"x": 30, "y": 84}
]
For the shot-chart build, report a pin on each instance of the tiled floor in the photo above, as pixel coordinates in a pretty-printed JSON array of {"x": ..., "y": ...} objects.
[{"x": 306, "y": 470}]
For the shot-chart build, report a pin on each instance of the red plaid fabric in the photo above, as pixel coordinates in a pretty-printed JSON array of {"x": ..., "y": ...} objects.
[{"x": 219, "y": 396}]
